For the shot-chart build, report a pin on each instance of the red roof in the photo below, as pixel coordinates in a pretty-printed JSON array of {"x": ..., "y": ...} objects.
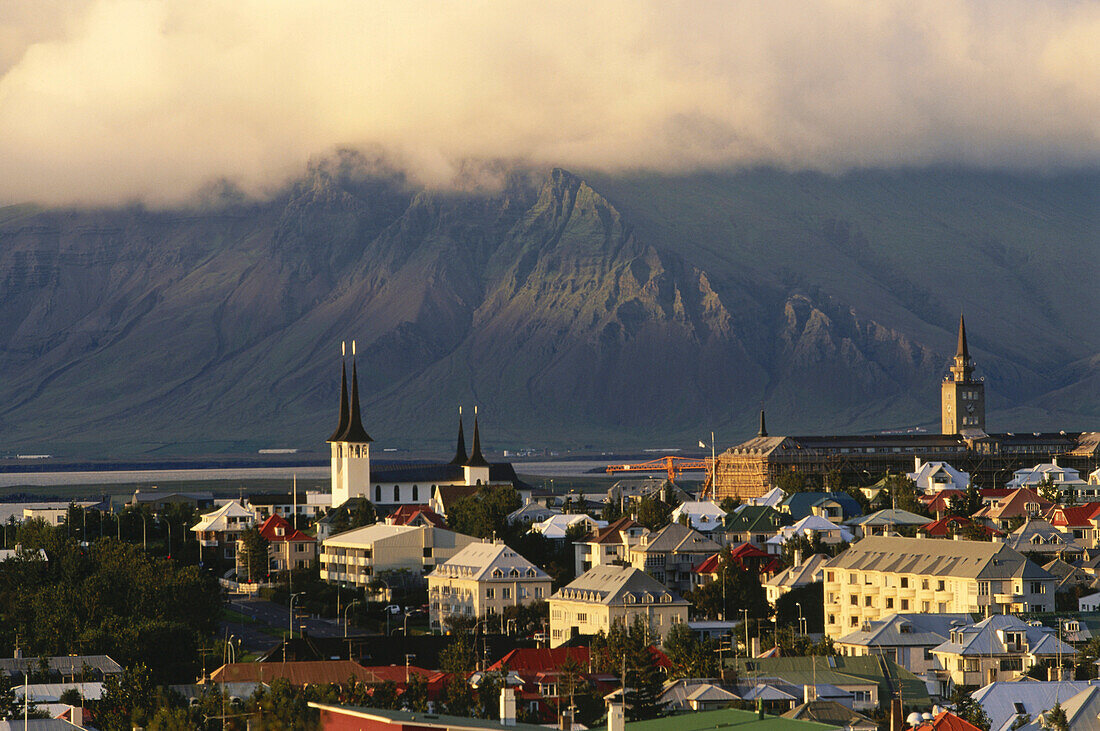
[
  {"x": 1079, "y": 516},
  {"x": 611, "y": 534},
  {"x": 944, "y": 527},
  {"x": 313, "y": 672},
  {"x": 940, "y": 502},
  {"x": 529, "y": 661},
  {"x": 946, "y": 721},
  {"x": 746, "y": 556},
  {"x": 406, "y": 514},
  {"x": 269, "y": 529}
]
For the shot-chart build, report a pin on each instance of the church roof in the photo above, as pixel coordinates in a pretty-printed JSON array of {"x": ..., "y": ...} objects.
[
  {"x": 962, "y": 350},
  {"x": 342, "y": 425},
  {"x": 354, "y": 431},
  {"x": 477, "y": 459},
  {"x": 460, "y": 447}
]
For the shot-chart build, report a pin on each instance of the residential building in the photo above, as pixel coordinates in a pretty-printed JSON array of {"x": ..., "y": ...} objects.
[
  {"x": 941, "y": 503},
  {"x": 557, "y": 526},
  {"x": 532, "y": 512},
  {"x": 1022, "y": 502},
  {"x": 1078, "y": 521},
  {"x": 812, "y": 528},
  {"x": 886, "y": 575},
  {"x": 954, "y": 525},
  {"x": 943, "y": 721},
  {"x": 670, "y": 554},
  {"x": 833, "y": 714},
  {"x": 1082, "y": 713},
  {"x": 907, "y": 639},
  {"x": 608, "y": 545},
  {"x": 156, "y": 500},
  {"x": 773, "y": 498},
  {"x": 482, "y": 580},
  {"x": 623, "y": 492},
  {"x": 744, "y": 557},
  {"x": 607, "y": 594},
  {"x": 885, "y": 522},
  {"x": 1066, "y": 479},
  {"x": 803, "y": 573},
  {"x": 415, "y": 515},
  {"x": 286, "y": 548},
  {"x": 703, "y": 515},
  {"x": 1009, "y": 703},
  {"x": 307, "y": 505},
  {"x": 934, "y": 477},
  {"x": 219, "y": 530},
  {"x": 867, "y": 679},
  {"x": 1037, "y": 536},
  {"x": 753, "y": 524},
  {"x": 833, "y": 506},
  {"x": 357, "y": 556},
  {"x": 1001, "y": 647}
]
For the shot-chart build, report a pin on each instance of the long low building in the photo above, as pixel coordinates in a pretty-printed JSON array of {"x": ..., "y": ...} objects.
[
  {"x": 883, "y": 575},
  {"x": 356, "y": 556}
]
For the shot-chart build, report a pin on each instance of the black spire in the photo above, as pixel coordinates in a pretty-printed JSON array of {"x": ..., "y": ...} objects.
[
  {"x": 354, "y": 432},
  {"x": 763, "y": 429},
  {"x": 460, "y": 450},
  {"x": 962, "y": 351},
  {"x": 343, "y": 424},
  {"x": 477, "y": 459}
]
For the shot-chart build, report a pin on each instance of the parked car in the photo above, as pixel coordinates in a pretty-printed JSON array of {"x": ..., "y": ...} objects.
[{"x": 392, "y": 609}]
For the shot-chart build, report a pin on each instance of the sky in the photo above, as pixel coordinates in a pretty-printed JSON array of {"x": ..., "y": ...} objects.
[{"x": 104, "y": 102}]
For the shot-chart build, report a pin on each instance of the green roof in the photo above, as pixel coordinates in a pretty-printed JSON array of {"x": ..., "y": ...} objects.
[
  {"x": 754, "y": 518},
  {"x": 742, "y": 720},
  {"x": 839, "y": 670}
]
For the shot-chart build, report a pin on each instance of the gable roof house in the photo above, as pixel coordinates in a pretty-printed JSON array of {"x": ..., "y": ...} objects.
[
  {"x": 608, "y": 594},
  {"x": 1082, "y": 521},
  {"x": 753, "y": 524},
  {"x": 802, "y": 573},
  {"x": 1038, "y": 537},
  {"x": 835, "y": 506},
  {"x": 1010, "y": 702},
  {"x": 287, "y": 547},
  {"x": 670, "y": 554},
  {"x": 934, "y": 477},
  {"x": 884, "y": 522},
  {"x": 1002, "y": 647},
  {"x": 1022, "y": 502},
  {"x": 221, "y": 528},
  {"x": 812, "y": 527},
  {"x": 610, "y": 544},
  {"x": 702, "y": 515}
]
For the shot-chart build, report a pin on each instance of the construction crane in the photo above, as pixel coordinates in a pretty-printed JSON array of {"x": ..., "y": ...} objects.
[{"x": 672, "y": 466}]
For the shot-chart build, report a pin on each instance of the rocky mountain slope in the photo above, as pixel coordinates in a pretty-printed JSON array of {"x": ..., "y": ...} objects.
[{"x": 576, "y": 309}]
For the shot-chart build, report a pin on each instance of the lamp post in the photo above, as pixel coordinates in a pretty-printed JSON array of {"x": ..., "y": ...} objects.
[
  {"x": 292, "y": 598},
  {"x": 144, "y": 527},
  {"x": 348, "y": 607},
  {"x": 168, "y": 524},
  {"x": 800, "y": 630},
  {"x": 748, "y": 651}
]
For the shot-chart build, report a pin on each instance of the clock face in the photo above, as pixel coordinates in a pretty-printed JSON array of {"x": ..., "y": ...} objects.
[{"x": 970, "y": 408}]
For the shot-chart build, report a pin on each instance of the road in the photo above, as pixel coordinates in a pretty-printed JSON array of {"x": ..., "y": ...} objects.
[{"x": 275, "y": 617}]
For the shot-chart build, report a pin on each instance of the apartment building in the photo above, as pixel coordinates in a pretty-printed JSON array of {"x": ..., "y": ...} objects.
[
  {"x": 608, "y": 545},
  {"x": 670, "y": 554},
  {"x": 884, "y": 575},
  {"x": 356, "y": 557},
  {"x": 998, "y": 648},
  {"x": 482, "y": 580},
  {"x": 608, "y": 594}
]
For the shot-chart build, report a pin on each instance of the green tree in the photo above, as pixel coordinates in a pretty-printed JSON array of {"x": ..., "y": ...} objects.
[
  {"x": 128, "y": 699},
  {"x": 1056, "y": 718},
  {"x": 415, "y": 697},
  {"x": 459, "y": 697},
  {"x": 653, "y": 513},
  {"x": 792, "y": 481},
  {"x": 385, "y": 696},
  {"x": 690, "y": 656},
  {"x": 735, "y": 589},
  {"x": 458, "y": 657},
  {"x": 629, "y": 647},
  {"x": 969, "y": 709},
  {"x": 255, "y": 549},
  {"x": 484, "y": 514},
  {"x": 1048, "y": 490},
  {"x": 904, "y": 494},
  {"x": 729, "y": 504}
]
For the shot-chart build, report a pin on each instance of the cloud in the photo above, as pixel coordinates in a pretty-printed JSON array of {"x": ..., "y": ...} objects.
[{"x": 106, "y": 101}]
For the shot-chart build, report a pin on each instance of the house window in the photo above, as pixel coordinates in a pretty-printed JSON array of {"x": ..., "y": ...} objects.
[
  {"x": 940, "y": 586},
  {"x": 538, "y": 592},
  {"x": 396, "y": 493},
  {"x": 416, "y": 493},
  {"x": 868, "y": 601},
  {"x": 854, "y": 621},
  {"x": 905, "y": 605},
  {"x": 905, "y": 582},
  {"x": 853, "y": 600},
  {"x": 377, "y": 493},
  {"x": 506, "y": 592},
  {"x": 889, "y": 602},
  {"x": 582, "y": 617},
  {"x": 427, "y": 551},
  {"x": 489, "y": 593}
]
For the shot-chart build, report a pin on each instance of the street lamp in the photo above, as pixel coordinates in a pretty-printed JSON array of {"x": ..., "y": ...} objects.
[
  {"x": 292, "y": 598},
  {"x": 346, "y": 616},
  {"x": 144, "y": 526},
  {"x": 800, "y": 619},
  {"x": 169, "y": 524}
]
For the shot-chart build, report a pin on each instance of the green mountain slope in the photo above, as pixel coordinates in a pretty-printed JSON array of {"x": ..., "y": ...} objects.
[{"x": 576, "y": 310}]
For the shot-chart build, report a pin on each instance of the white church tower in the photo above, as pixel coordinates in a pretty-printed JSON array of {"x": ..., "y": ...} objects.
[
  {"x": 350, "y": 442},
  {"x": 476, "y": 469}
]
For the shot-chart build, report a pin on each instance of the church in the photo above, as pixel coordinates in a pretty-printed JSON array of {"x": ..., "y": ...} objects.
[
  {"x": 751, "y": 468},
  {"x": 407, "y": 484}
]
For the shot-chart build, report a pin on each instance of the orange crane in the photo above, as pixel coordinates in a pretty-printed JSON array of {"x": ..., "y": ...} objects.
[{"x": 672, "y": 465}]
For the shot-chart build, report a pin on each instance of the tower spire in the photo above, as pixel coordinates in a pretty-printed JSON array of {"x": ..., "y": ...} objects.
[
  {"x": 342, "y": 425},
  {"x": 460, "y": 448},
  {"x": 477, "y": 459},
  {"x": 962, "y": 351},
  {"x": 354, "y": 432},
  {"x": 763, "y": 429}
]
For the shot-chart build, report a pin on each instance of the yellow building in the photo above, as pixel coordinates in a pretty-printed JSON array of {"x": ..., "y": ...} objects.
[
  {"x": 609, "y": 594},
  {"x": 482, "y": 580},
  {"x": 883, "y": 575}
]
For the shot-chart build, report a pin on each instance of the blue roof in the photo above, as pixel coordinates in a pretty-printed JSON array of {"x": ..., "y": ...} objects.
[{"x": 800, "y": 504}]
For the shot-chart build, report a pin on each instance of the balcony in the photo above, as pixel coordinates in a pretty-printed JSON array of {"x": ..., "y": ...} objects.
[
  {"x": 208, "y": 543},
  {"x": 1008, "y": 598}
]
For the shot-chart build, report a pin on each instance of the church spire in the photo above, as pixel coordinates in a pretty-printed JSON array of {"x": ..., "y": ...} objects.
[
  {"x": 963, "y": 369},
  {"x": 460, "y": 449},
  {"x": 763, "y": 429},
  {"x": 354, "y": 432},
  {"x": 477, "y": 459},
  {"x": 342, "y": 425}
]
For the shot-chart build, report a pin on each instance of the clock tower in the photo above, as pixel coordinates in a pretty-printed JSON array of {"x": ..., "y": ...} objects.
[{"x": 962, "y": 397}]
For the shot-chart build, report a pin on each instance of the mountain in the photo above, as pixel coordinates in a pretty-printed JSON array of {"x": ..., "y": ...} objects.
[{"x": 576, "y": 308}]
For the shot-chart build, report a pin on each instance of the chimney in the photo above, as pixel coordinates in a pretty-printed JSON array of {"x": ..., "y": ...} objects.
[
  {"x": 755, "y": 647},
  {"x": 566, "y": 720},
  {"x": 616, "y": 715},
  {"x": 809, "y": 693},
  {"x": 798, "y": 557},
  {"x": 916, "y": 464},
  {"x": 76, "y": 716},
  {"x": 508, "y": 706},
  {"x": 897, "y": 721}
]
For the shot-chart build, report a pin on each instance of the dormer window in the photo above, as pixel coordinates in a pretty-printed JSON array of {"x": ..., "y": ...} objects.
[
  {"x": 280, "y": 531},
  {"x": 498, "y": 574}
]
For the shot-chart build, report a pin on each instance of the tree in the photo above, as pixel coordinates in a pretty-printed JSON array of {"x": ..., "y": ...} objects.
[
  {"x": 1056, "y": 718},
  {"x": 690, "y": 656},
  {"x": 484, "y": 514},
  {"x": 255, "y": 549},
  {"x": 1048, "y": 490},
  {"x": 415, "y": 697},
  {"x": 734, "y": 590},
  {"x": 969, "y": 709},
  {"x": 128, "y": 699},
  {"x": 458, "y": 657},
  {"x": 653, "y": 513},
  {"x": 729, "y": 504},
  {"x": 812, "y": 600},
  {"x": 904, "y": 494},
  {"x": 458, "y": 697},
  {"x": 629, "y": 647},
  {"x": 791, "y": 482}
]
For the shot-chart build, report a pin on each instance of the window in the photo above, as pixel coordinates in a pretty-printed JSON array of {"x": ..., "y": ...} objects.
[
  {"x": 854, "y": 622},
  {"x": 940, "y": 586},
  {"x": 1012, "y": 663},
  {"x": 416, "y": 493},
  {"x": 582, "y": 617},
  {"x": 538, "y": 592},
  {"x": 832, "y": 619},
  {"x": 427, "y": 551},
  {"x": 861, "y": 696},
  {"x": 396, "y": 493},
  {"x": 924, "y": 583},
  {"x": 868, "y": 601},
  {"x": 853, "y": 578},
  {"x": 506, "y": 592},
  {"x": 905, "y": 582},
  {"x": 829, "y": 575},
  {"x": 905, "y": 605},
  {"x": 377, "y": 493},
  {"x": 489, "y": 593},
  {"x": 853, "y": 600},
  {"x": 972, "y": 665},
  {"x": 983, "y": 588},
  {"x": 890, "y": 602}
]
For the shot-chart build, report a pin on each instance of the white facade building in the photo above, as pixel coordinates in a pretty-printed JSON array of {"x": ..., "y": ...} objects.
[
  {"x": 702, "y": 515},
  {"x": 933, "y": 477},
  {"x": 482, "y": 580}
]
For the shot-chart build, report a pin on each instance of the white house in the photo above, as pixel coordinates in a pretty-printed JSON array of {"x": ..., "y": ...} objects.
[
  {"x": 702, "y": 515},
  {"x": 222, "y": 527},
  {"x": 1066, "y": 479},
  {"x": 556, "y": 526},
  {"x": 933, "y": 477},
  {"x": 1090, "y": 603},
  {"x": 811, "y": 526}
]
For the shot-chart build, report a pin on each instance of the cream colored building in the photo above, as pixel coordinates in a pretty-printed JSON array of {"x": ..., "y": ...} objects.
[
  {"x": 883, "y": 575},
  {"x": 356, "y": 556},
  {"x": 482, "y": 580},
  {"x": 608, "y": 594}
]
